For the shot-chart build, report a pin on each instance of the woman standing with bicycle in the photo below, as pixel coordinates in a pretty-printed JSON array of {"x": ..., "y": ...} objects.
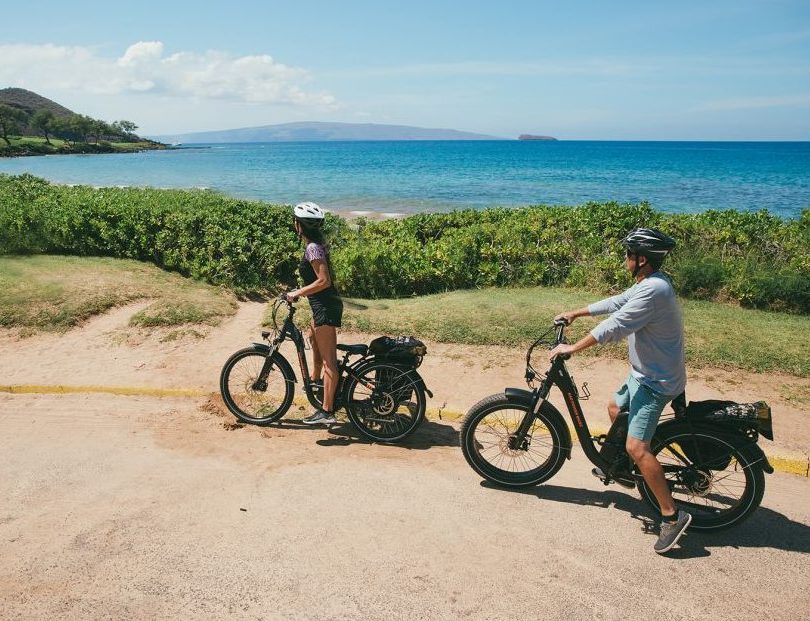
[{"x": 327, "y": 307}]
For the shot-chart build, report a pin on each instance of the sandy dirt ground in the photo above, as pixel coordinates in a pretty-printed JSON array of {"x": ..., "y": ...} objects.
[{"x": 115, "y": 507}]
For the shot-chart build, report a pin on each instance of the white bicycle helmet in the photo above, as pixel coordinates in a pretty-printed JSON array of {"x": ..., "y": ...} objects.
[{"x": 309, "y": 214}]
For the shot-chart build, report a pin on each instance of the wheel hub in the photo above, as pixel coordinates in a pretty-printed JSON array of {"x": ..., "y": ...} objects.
[
  {"x": 699, "y": 482},
  {"x": 384, "y": 404},
  {"x": 513, "y": 443}
]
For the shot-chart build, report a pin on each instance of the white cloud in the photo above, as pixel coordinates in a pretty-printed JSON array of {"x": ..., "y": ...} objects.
[{"x": 143, "y": 68}]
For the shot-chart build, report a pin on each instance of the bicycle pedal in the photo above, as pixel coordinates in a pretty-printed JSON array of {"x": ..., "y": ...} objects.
[
  {"x": 597, "y": 472},
  {"x": 600, "y": 439}
]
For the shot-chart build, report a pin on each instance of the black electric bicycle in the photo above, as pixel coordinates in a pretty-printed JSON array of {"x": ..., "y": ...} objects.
[
  {"x": 382, "y": 393},
  {"x": 708, "y": 450}
]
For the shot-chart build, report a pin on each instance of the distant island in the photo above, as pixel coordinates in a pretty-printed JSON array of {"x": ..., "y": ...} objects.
[
  {"x": 533, "y": 137},
  {"x": 313, "y": 131},
  {"x": 31, "y": 124}
]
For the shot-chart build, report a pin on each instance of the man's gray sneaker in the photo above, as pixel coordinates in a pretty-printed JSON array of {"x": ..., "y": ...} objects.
[
  {"x": 671, "y": 532},
  {"x": 320, "y": 417}
]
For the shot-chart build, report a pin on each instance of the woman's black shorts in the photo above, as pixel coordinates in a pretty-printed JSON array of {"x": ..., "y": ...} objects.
[{"x": 326, "y": 312}]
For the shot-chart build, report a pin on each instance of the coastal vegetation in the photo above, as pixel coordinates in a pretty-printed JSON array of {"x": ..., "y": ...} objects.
[
  {"x": 34, "y": 125},
  {"x": 755, "y": 260},
  {"x": 482, "y": 277}
]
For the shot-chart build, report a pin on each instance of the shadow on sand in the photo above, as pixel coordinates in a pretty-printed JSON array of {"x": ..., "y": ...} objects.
[
  {"x": 764, "y": 529},
  {"x": 427, "y": 435}
]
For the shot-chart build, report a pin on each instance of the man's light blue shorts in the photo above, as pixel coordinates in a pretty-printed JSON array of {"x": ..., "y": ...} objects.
[{"x": 644, "y": 406}]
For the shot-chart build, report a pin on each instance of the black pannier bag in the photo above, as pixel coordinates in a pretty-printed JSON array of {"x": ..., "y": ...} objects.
[
  {"x": 405, "y": 350},
  {"x": 742, "y": 416}
]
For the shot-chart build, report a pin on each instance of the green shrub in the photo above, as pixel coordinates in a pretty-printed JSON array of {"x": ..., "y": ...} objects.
[
  {"x": 756, "y": 258},
  {"x": 699, "y": 276}
]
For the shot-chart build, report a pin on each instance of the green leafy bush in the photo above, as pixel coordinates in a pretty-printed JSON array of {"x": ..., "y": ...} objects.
[{"x": 756, "y": 259}]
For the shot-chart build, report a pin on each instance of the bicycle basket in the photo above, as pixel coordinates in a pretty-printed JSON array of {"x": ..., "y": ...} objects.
[{"x": 405, "y": 350}]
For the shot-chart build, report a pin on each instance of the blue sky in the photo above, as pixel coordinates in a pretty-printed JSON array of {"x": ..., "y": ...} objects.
[{"x": 576, "y": 70}]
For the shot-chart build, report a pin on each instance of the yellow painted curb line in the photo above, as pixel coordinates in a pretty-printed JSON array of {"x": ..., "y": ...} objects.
[
  {"x": 111, "y": 390},
  {"x": 789, "y": 465}
]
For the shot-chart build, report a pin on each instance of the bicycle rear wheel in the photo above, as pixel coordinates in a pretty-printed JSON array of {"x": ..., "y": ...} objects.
[
  {"x": 253, "y": 399},
  {"x": 490, "y": 446},
  {"x": 710, "y": 476},
  {"x": 385, "y": 401}
]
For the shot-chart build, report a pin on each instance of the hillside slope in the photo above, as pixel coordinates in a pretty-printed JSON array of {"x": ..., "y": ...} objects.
[{"x": 30, "y": 102}]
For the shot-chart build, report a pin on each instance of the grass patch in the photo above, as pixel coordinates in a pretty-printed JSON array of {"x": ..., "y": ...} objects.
[
  {"x": 717, "y": 335},
  {"x": 56, "y": 293},
  {"x": 35, "y": 145}
]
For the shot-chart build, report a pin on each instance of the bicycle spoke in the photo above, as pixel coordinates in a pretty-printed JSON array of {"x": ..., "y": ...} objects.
[{"x": 493, "y": 434}]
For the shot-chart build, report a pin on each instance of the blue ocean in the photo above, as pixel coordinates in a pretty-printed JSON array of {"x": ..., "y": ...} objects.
[{"x": 392, "y": 178}]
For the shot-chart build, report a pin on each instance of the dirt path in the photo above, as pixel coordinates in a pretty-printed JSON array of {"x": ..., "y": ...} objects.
[
  {"x": 106, "y": 352},
  {"x": 148, "y": 508}
]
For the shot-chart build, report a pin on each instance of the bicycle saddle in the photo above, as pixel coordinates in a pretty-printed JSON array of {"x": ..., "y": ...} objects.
[{"x": 353, "y": 349}]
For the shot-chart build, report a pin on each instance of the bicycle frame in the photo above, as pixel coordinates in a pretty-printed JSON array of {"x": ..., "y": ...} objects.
[
  {"x": 558, "y": 376},
  {"x": 293, "y": 332}
]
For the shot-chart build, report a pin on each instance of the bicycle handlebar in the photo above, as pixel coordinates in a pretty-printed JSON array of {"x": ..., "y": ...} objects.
[
  {"x": 558, "y": 328},
  {"x": 281, "y": 299}
]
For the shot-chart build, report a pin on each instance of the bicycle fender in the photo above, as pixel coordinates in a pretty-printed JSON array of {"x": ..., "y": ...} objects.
[
  {"x": 751, "y": 450},
  {"x": 524, "y": 396},
  {"x": 421, "y": 382},
  {"x": 417, "y": 380},
  {"x": 280, "y": 360}
]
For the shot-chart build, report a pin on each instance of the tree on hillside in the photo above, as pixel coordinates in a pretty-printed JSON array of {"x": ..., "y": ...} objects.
[
  {"x": 127, "y": 128},
  {"x": 64, "y": 128},
  {"x": 101, "y": 128},
  {"x": 42, "y": 121},
  {"x": 11, "y": 119},
  {"x": 84, "y": 126}
]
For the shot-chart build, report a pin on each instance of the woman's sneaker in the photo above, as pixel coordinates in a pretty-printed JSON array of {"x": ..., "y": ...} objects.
[
  {"x": 671, "y": 532},
  {"x": 320, "y": 417}
]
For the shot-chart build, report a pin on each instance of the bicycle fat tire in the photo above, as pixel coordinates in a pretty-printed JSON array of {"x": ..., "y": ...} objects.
[
  {"x": 243, "y": 405},
  {"x": 488, "y": 410},
  {"x": 361, "y": 411},
  {"x": 743, "y": 467}
]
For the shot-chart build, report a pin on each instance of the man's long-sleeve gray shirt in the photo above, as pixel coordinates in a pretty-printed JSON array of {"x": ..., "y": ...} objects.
[{"x": 649, "y": 315}]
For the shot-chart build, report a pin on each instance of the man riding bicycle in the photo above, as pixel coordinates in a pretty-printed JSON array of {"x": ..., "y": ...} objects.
[{"x": 649, "y": 316}]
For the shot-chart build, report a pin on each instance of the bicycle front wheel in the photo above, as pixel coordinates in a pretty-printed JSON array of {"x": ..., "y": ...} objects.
[
  {"x": 386, "y": 402},
  {"x": 253, "y": 397},
  {"x": 709, "y": 476},
  {"x": 491, "y": 446}
]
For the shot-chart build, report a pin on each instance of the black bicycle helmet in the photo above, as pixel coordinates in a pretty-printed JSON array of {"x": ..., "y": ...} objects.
[{"x": 650, "y": 243}]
